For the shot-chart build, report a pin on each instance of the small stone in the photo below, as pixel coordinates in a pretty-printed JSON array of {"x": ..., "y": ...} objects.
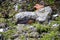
[
  {"x": 55, "y": 15},
  {"x": 34, "y": 34},
  {"x": 55, "y": 25},
  {"x": 2, "y": 25},
  {"x": 1, "y": 30}
]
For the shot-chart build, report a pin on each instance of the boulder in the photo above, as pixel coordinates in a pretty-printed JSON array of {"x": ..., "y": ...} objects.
[
  {"x": 43, "y": 14},
  {"x": 40, "y": 15}
]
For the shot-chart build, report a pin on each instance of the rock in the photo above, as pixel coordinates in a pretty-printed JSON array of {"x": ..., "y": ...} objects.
[
  {"x": 40, "y": 15},
  {"x": 32, "y": 28},
  {"x": 54, "y": 16},
  {"x": 27, "y": 31},
  {"x": 15, "y": 36},
  {"x": 1, "y": 30},
  {"x": 20, "y": 0},
  {"x": 16, "y": 7},
  {"x": 21, "y": 15},
  {"x": 21, "y": 28},
  {"x": 3, "y": 27},
  {"x": 16, "y": 39},
  {"x": 58, "y": 35},
  {"x": 55, "y": 25},
  {"x": 43, "y": 14},
  {"x": 34, "y": 35}
]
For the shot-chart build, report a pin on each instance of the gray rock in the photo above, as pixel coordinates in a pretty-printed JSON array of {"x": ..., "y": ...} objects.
[
  {"x": 20, "y": 27},
  {"x": 16, "y": 7},
  {"x": 43, "y": 13},
  {"x": 32, "y": 28},
  {"x": 25, "y": 14},
  {"x": 17, "y": 39},
  {"x": 55, "y": 25},
  {"x": 55, "y": 15},
  {"x": 40, "y": 15},
  {"x": 3, "y": 27},
  {"x": 34, "y": 34}
]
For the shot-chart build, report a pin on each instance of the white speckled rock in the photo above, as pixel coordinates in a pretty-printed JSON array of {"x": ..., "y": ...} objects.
[
  {"x": 25, "y": 14},
  {"x": 40, "y": 15}
]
